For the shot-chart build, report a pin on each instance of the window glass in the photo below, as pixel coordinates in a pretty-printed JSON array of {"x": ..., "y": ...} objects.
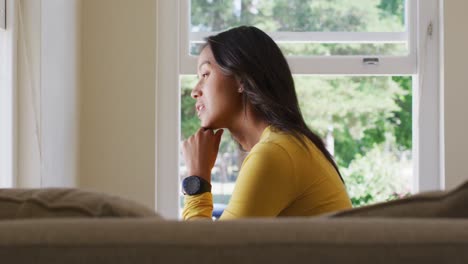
[
  {"x": 299, "y": 15},
  {"x": 333, "y": 16}
]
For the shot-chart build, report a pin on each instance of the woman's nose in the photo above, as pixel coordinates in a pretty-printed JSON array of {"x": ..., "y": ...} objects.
[{"x": 196, "y": 92}]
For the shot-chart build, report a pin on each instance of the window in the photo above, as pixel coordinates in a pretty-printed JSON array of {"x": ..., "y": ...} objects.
[
  {"x": 7, "y": 59},
  {"x": 373, "y": 53}
]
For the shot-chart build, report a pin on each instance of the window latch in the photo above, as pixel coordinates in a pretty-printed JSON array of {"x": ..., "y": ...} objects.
[
  {"x": 430, "y": 29},
  {"x": 370, "y": 61}
]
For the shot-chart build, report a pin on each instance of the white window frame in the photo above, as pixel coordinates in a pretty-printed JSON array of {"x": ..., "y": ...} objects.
[
  {"x": 422, "y": 63},
  {"x": 8, "y": 98}
]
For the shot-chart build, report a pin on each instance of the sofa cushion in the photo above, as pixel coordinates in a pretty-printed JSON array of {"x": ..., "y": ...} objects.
[
  {"x": 66, "y": 202},
  {"x": 443, "y": 204}
]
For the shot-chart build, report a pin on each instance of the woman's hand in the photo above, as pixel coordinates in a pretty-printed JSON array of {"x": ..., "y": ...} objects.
[{"x": 200, "y": 151}]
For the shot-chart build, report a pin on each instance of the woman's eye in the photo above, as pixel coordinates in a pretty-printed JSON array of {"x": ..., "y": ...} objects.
[{"x": 204, "y": 75}]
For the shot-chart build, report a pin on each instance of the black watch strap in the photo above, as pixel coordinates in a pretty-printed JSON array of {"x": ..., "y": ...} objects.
[{"x": 194, "y": 185}]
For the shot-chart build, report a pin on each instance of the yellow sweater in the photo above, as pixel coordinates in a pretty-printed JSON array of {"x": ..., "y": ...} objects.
[{"x": 279, "y": 177}]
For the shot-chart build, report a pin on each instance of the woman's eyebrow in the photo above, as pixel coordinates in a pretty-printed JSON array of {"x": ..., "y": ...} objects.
[{"x": 203, "y": 63}]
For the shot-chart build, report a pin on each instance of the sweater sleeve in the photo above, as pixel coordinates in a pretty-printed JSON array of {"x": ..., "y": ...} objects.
[
  {"x": 265, "y": 185},
  {"x": 198, "y": 206}
]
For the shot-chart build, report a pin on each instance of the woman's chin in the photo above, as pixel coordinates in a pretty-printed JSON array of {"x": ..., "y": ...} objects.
[
  {"x": 208, "y": 125},
  {"x": 211, "y": 123},
  {"x": 205, "y": 124}
]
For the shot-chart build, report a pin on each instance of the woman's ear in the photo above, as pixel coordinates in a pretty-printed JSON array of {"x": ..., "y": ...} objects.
[{"x": 241, "y": 87}]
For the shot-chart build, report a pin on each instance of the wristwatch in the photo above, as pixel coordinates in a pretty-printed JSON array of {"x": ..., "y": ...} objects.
[{"x": 194, "y": 185}]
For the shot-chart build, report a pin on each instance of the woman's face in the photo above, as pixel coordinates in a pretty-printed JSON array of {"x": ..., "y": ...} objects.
[{"x": 219, "y": 101}]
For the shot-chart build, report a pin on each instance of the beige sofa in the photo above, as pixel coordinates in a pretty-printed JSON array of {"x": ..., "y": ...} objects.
[{"x": 41, "y": 226}]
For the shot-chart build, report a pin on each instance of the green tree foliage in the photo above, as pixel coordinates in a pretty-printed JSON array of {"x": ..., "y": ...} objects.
[
  {"x": 346, "y": 102},
  {"x": 356, "y": 109},
  {"x": 403, "y": 120},
  {"x": 299, "y": 15},
  {"x": 392, "y": 8},
  {"x": 188, "y": 115},
  {"x": 378, "y": 175}
]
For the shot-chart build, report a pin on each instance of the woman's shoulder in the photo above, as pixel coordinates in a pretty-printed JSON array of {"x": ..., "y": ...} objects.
[
  {"x": 284, "y": 140},
  {"x": 275, "y": 140}
]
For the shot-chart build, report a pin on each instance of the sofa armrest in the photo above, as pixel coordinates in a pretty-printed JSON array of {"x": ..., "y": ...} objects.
[{"x": 284, "y": 240}]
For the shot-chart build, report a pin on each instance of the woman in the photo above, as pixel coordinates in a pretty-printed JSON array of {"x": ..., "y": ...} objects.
[{"x": 245, "y": 85}]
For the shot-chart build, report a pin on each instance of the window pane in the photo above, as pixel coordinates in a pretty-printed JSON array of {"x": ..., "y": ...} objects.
[
  {"x": 299, "y": 15},
  {"x": 366, "y": 123},
  {"x": 338, "y": 16}
]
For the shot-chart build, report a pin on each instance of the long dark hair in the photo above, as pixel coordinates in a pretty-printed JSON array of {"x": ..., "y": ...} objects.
[{"x": 256, "y": 61}]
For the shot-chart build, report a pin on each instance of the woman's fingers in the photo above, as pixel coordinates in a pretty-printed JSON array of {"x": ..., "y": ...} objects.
[{"x": 200, "y": 151}]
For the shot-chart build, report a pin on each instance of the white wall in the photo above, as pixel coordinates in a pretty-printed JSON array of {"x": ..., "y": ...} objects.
[
  {"x": 117, "y": 134},
  {"x": 48, "y": 84},
  {"x": 86, "y": 96},
  {"x": 456, "y": 92}
]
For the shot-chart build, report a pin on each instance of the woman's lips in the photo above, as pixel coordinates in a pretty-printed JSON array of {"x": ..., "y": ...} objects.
[{"x": 199, "y": 108}]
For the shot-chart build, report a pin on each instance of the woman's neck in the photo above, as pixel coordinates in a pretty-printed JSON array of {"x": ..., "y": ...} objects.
[{"x": 248, "y": 130}]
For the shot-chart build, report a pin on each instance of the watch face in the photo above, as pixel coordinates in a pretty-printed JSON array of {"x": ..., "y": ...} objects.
[{"x": 191, "y": 185}]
